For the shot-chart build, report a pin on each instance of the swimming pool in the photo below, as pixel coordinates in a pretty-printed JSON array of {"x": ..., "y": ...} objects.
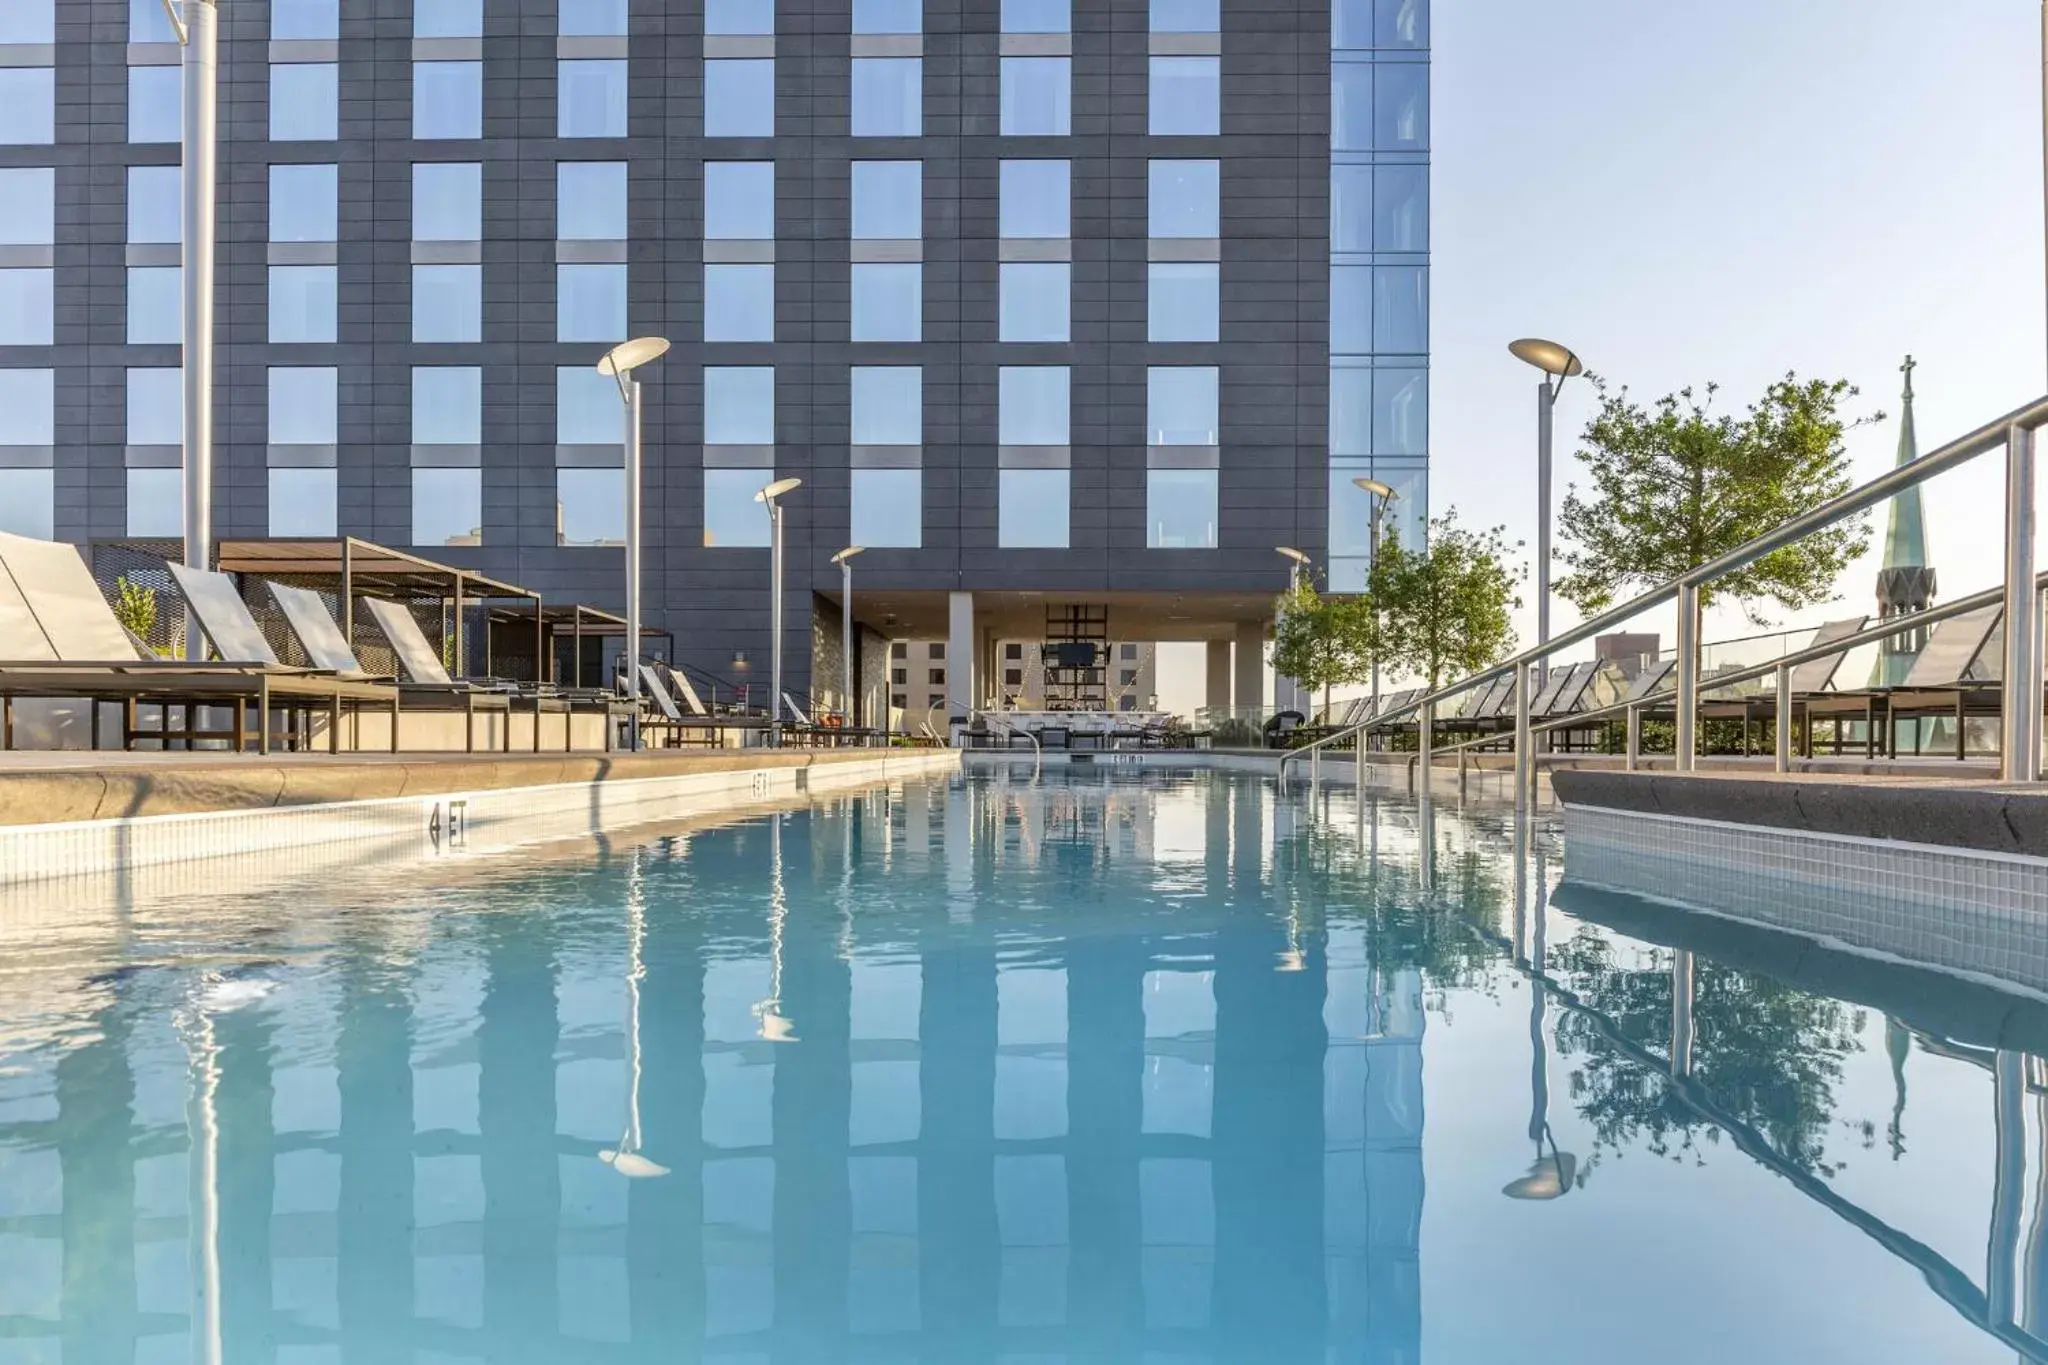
[{"x": 1114, "y": 1065}]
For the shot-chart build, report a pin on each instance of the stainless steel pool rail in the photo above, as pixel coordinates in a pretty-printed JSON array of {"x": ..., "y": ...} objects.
[{"x": 2020, "y": 725}]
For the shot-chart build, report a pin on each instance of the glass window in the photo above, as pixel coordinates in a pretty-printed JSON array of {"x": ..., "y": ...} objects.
[
  {"x": 1183, "y": 199},
  {"x": 27, "y": 308},
  {"x": 1036, "y": 199},
  {"x": 1351, "y": 310},
  {"x": 1031, "y": 509},
  {"x": 731, "y": 516},
  {"x": 1180, "y": 405},
  {"x": 1351, "y": 223},
  {"x": 1351, "y": 106},
  {"x": 304, "y": 102},
  {"x": 1182, "y": 301},
  {"x": 305, "y": 19},
  {"x": 739, "y": 303},
  {"x": 303, "y": 405},
  {"x": 888, "y": 200},
  {"x": 888, "y": 97},
  {"x": 739, "y": 97},
  {"x": 888, "y": 406},
  {"x": 590, "y": 303},
  {"x": 587, "y": 407},
  {"x": 28, "y": 411},
  {"x": 1351, "y": 23},
  {"x": 590, "y": 201},
  {"x": 1185, "y": 16},
  {"x": 156, "y": 503},
  {"x": 155, "y": 304},
  {"x": 888, "y": 16},
  {"x": 302, "y": 502},
  {"x": 447, "y": 303},
  {"x": 1350, "y": 410},
  {"x": 1351, "y": 510},
  {"x": 28, "y": 502},
  {"x": 1187, "y": 96},
  {"x": 590, "y": 505},
  {"x": 888, "y": 302},
  {"x": 739, "y": 201},
  {"x": 1033, "y": 405},
  {"x": 28, "y": 21},
  {"x": 304, "y": 203},
  {"x": 447, "y": 100},
  {"x": 153, "y": 203},
  {"x": 1037, "y": 16},
  {"x": 887, "y": 508},
  {"x": 156, "y": 406},
  {"x": 156, "y": 110},
  {"x": 447, "y": 405},
  {"x": 447, "y": 201},
  {"x": 592, "y": 19},
  {"x": 449, "y": 18},
  {"x": 1037, "y": 96},
  {"x": 28, "y": 205},
  {"x": 1400, "y": 416},
  {"x": 590, "y": 98},
  {"x": 1401, "y": 23},
  {"x": 1401, "y": 107},
  {"x": 1400, "y": 208},
  {"x": 1400, "y": 308},
  {"x": 1180, "y": 509},
  {"x": 147, "y": 23},
  {"x": 28, "y": 105},
  {"x": 1035, "y": 302},
  {"x": 739, "y": 16},
  {"x": 302, "y": 303},
  {"x": 739, "y": 405},
  {"x": 448, "y": 506}
]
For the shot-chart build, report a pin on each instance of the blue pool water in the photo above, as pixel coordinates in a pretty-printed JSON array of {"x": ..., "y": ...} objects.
[{"x": 1109, "y": 1067}]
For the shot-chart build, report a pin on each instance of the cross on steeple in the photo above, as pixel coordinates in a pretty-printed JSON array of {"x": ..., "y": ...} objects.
[{"x": 1907, "y": 370}]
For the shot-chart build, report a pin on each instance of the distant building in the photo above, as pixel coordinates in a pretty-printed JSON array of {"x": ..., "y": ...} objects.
[
  {"x": 1126, "y": 680},
  {"x": 1905, "y": 582}
]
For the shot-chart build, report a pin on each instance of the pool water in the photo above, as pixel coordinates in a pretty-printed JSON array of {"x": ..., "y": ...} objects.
[{"x": 1108, "y": 1066}]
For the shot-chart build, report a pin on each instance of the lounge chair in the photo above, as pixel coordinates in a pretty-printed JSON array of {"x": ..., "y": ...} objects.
[{"x": 1957, "y": 674}]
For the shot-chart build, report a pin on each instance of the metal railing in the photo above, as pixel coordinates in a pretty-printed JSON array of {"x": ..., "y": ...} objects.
[{"x": 2020, "y": 725}]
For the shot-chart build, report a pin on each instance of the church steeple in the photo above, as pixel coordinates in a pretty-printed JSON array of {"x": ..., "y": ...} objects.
[{"x": 1905, "y": 581}]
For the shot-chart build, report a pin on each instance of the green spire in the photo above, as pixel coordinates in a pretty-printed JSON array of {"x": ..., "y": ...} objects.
[
  {"x": 1905, "y": 539},
  {"x": 1905, "y": 582}
]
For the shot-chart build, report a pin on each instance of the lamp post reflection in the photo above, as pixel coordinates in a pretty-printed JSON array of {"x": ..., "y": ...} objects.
[
  {"x": 202, "y": 1125},
  {"x": 776, "y": 1027},
  {"x": 1551, "y": 1174},
  {"x": 626, "y": 1159}
]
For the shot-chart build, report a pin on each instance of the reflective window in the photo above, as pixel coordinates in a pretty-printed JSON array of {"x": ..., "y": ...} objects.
[
  {"x": 887, "y": 508},
  {"x": 739, "y": 97},
  {"x": 1400, "y": 309},
  {"x": 1180, "y": 405},
  {"x": 888, "y": 16},
  {"x": 888, "y": 302},
  {"x": 739, "y": 303},
  {"x": 302, "y": 502},
  {"x": 1400, "y": 208},
  {"x": 1180, "y": 509},
  {"x": 28, "y": 105},
  {"x": 1351, "y": 509},
  {"x": 1350, "y": 410},
  {"x": 739, "y": 405},
  {"x": 447, "y": 201},
  {"x": 1401, "y": 107},
  {"x": 154, "y": 200},
  {"x": 448, "y": 18},
  {"x": 739, "y": 16},
  {"x": 1400, "y": 414},
  {"x": 1183, "y": 199},
  {"x": 1186, "y": 96},
  {"x": 304, "y": 203},
  {"x": 590, "y": 303},
  {"x": 147, "y": 23},
  {"x": 28, "y": 21},
  {"x": 1185, "y": 16},
  {"x": 304, "y": 405},
  {"x": 1037, "y": 16},
  {"x": 590, "y": 201},
  {"x": 155, "y": 104},
  {"x": 305, "y": 19},
  {"x": 447, "y": 100},
  {"x": 1036, "y": 199},
  {"x": 888, "y": 406},
  {"x": 888, "y": 200},
  {"x": 587, "y": 407},
  {"x": 732, "y": 519},
  {"x": 1031, "y": 509},
  {"x": 28, "y": 502},
  {"x": 1036, "y": 96},
  {"x": 304, "y": 102},
  {"x": 590, "y": 506},
  {"x": 447, "y": 405},
  {"x": 448, "y": 506},
  {"x": 1398, "y": 23},
  {"x": 1033, "y": 405},
  {"x": 1182, "y": 301},
  {"x": 447, "y": 303},
  {"x": 590, "y": 98},
  {"x": 739, "y": 201},
  {"x": 592, "y": 19},
  {"x": 156, "y": 503},
  {"x": 28, "y": 205},
  {"x": 888, "y": 97},
  {"x": 155, "y": 303},
  {"x": 1351, "y": 310},
  {"x": 156, "y": 406},
  {"x": 1351, "y": 208},
  {"x": 28, "y": 407},
  {"x": 1035, "y": 301},
  {"x": 1351, "y": 106}
]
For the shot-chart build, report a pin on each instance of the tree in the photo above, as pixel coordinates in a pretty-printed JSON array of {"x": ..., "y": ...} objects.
[
  {"x": 1448, "y": 604},
  {"x": 1678, "y": 485},
  {"x": 1323, "y": 641}
]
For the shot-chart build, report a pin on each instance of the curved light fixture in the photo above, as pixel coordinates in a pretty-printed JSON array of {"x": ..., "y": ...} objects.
[
  {"x": 1291, "y": 553},
  {"x": 631, "y": 355},
  {"x": 1549, "y": 1177},
  {"x": 1377, "y": 489},
  {"x": 848, "y": 553},
  {"x": 777, "y": 489},
  {"x": 1550, "y": 357}
]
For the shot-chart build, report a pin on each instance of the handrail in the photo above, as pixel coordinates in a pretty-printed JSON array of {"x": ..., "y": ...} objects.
[
  {"x": 1011, "y": 727},
  {"x": 1886, "y": 486}
]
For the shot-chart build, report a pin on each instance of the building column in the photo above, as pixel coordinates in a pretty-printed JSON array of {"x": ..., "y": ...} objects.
[
  {"x": 1250, "y": 691},
  {"x": 1218, "y": 696},
  {"x": 961, "y": 644}
]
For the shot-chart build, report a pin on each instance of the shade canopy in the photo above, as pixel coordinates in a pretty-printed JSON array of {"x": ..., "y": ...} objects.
[{"x": 1550, "y": 357}]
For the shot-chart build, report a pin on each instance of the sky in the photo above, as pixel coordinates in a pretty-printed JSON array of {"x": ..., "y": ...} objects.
[{"x": 1695, "y": 193}]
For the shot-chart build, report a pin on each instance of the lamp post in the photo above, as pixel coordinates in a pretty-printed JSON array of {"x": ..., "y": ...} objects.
[
  {"x": 769, "y": 496},
  {"x": 198, "y": 32},
  {"x": 844, "y": 559},
  {"x": 1298, "y": 566},
  {"x": 620, "y": 362},
  {"x": 1383, "y": 496},
  {"x": 1558, "y": 364}
]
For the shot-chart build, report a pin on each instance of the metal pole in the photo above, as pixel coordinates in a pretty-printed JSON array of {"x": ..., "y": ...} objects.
[
  {"x": 1682, "y": 992},
  {"x": 2008, "y": 1183},
  {"x": 1525, "y": 766},
  {"x": 775, "y": 624},
  {"x": 1688, "y": 675},
  {"x": 1422, "y": 743},
  {"x": 2020, "y": 746},
  {"x": 1379, "y": 511},
  {"x": 1634, "y": 753},
  {"x": 1784, "y": 720},
  {"x": 846, "y": 639},
  {"x": 202, "y": 38},
  {"x": 632, "y": 387},
  {"x": 1546, "y": 400}
]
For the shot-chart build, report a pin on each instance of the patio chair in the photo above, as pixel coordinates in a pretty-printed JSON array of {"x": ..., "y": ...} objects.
[{"x": 1940, "y": 683}]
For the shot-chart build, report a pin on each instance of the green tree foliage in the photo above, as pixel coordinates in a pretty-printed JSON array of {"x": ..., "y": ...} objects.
[
  {"x": 1448, "y": 606},
  {"x": 1322, "y": 642},
  {"x": 135, "y": 606},
  {"x": 1676, "y": 485}
]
